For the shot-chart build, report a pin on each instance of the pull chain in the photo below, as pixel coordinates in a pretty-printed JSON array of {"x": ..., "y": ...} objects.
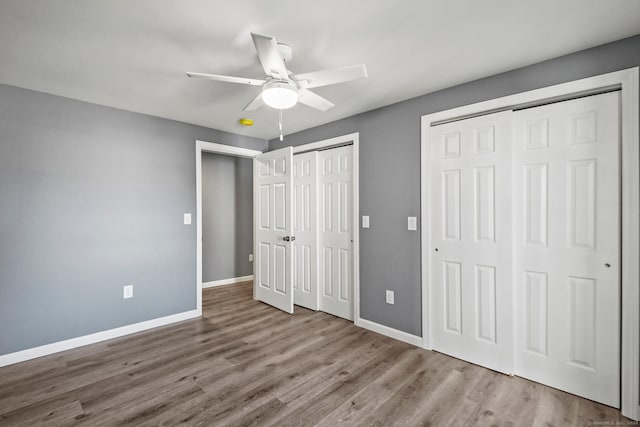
[{"x": 280, "y": 126}]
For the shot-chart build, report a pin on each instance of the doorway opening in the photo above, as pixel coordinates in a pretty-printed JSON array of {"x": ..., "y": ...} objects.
[
  {"x": 227, "y": 219},
  {"x": 209, "y": 147}
]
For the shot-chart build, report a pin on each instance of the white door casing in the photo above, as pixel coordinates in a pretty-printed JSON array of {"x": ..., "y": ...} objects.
[
  {"x": 471, "y": 300},
  {"x": 336, "y": 231},
  {"x": 305, "y": 230},
  {"x": 566, "y": 232},
  {"x": 272, "y": 184}
]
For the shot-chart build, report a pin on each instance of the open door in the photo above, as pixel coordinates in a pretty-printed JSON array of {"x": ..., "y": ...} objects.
[{"x": 272, "y": 182}]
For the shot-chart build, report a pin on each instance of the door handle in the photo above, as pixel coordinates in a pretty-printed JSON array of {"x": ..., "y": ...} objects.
[
  {"x": 607, "y": 265},
  {"x": 286, "y": 238},
  {"x": 293, "y": 238}
]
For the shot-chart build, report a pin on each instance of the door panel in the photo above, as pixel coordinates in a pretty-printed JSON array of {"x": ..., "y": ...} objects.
[
  {"x": 484, "y": 204},
  {"x": 566, "y": 230},
  {"x": 305, "y": 226},
  {"x": 336, "y": 234},
  {"x": 453, "y": 304},
  {"x": 471, "y": 240},
  {"x": 273, "y": 207},
  {"x": 451, "y": 207},
  {"x": 486, "y": 303},
  {"x": 536, "y": 212},
  {"x": 535, "y": 312}
]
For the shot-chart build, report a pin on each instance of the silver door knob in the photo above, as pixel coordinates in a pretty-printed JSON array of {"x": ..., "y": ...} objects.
[
  {"x": 293, "y": 238},
  {"x": 607, "y": 265},
  {"x": 286, "y": 238}
]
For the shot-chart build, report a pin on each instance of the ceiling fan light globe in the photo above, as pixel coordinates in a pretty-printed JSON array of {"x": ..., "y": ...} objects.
[{"x": 280, "y": 95}]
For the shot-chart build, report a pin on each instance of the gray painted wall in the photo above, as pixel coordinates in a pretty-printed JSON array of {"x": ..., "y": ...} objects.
[
  {"x": 390, "y": 171},
  {"x": 227, "y": 216},
  {"x": 91, "y": 199}
]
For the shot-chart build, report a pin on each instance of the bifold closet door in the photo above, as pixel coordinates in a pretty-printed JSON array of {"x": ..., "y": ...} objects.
[
  {"x": 272, "y": 181},
  {"x": 471, "y": 301},
  {"x": 305, "y": 230},
  {"x": 567, "y": 246},
  {"x": 335, "y": 169}
]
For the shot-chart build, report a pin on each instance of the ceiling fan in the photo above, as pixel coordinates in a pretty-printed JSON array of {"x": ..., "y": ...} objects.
[{"x": 281, "y": 89}]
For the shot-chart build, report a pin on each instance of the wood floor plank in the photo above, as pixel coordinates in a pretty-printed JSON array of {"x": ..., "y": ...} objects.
[
  {"x": 245, "y": 363},
  {"x": 370, "y": 397},
  {"x": 411, "y": 401},
  {"x": 101, "y": 403},
  {"x": 341, "y": 388},
  {"x": 63, "y": 415}
]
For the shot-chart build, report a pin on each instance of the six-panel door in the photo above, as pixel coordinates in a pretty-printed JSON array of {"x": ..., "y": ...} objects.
[
  {"x": 335, "y": 168},
  {"x": 471, "y": 308},
  {"x": 272, "y": 180},
  {"x": 567, "y": 246}
]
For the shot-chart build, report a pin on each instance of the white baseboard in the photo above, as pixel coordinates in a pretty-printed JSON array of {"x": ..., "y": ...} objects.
[
  {"x": 389, "y": 332},
  {"x": 227, "y": 281},
  {"x": 32, "y": 353}
]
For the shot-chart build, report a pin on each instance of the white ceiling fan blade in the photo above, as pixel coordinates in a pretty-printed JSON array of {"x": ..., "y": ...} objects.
[
  {"x": 313, "y": 100},
  {"x": 256, "y": 103},
  {"x": 270, "y": 56},
  {"x": 228, "y": 79},
  {"x": 330, "y": 77}
]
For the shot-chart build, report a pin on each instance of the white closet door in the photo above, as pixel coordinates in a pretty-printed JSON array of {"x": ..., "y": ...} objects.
[
  {"x": 567, "y": 246},
  {"x": 471, "y": 308},
  {"x": 336, "y": 233},
  {"x": 305, "y": 230},
  {"x": 272, "y": 180}
]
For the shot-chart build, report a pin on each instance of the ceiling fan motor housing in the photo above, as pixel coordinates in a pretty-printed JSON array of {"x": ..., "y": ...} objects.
[{"x": 285, "y": 51}]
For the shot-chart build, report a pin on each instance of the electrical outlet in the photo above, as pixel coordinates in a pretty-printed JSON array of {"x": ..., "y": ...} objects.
[
  {"x": 365, "y": 221},
  {"x": 127, "y": 291},
  {"x": 390, "y": 297},
  {"x": 187, "y": 219},
  {"x": 250, "y": 257}
]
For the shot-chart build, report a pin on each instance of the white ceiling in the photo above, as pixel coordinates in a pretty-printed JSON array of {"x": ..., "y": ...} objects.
[{"x": 134, "y": 54}]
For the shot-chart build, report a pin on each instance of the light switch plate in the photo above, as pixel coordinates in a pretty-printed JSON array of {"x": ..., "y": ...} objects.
[
  {"x": 412, "y": 223},
  {"x": 187, "y": 219},
  {"x": 127, "y": 291},
  {"x": 390, "y": 297},
  {"x": 250, "y": 257},
  {"x": 365, "y": 221}
]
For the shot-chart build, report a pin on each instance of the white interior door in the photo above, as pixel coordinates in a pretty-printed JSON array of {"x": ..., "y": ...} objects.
[
  {"x": 336, "y": 231},
  {"x": 305, "y": 230},
  {"x": 272, "y": 181},
  {"x": 471, "y": 308},
  {"x": 567, "y": 246}
]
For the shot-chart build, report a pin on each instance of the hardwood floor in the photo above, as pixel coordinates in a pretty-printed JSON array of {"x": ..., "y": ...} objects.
[{"x": 245, "y": 363}]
